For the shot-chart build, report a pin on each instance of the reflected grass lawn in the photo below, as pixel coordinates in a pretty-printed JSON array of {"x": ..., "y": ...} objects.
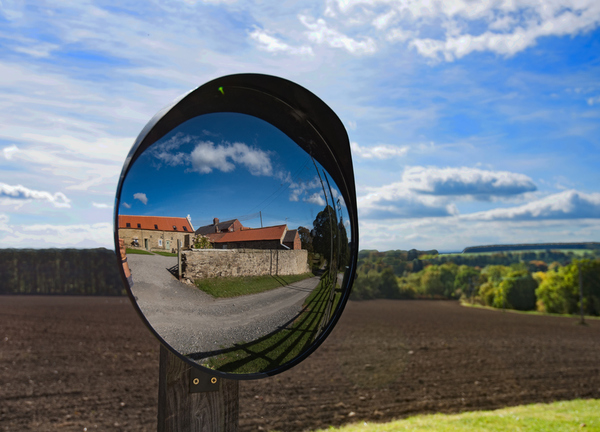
[
  {"x": 280, "y": 346},
  {"x": 137, "y": 252},
  {"x": 168, "y": 254},
  {"x": 238, "y": 286}
]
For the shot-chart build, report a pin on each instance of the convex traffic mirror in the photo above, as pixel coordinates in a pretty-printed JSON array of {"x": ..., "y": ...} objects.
[{"x": 236, "y": 220}]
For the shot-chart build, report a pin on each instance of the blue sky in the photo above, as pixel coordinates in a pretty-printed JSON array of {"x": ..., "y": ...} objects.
[
  {"x": 470, "y": 122},
  {"x": 228, "y": 166}
]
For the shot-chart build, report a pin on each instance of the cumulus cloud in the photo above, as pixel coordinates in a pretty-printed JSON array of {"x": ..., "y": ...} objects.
[
  {"x": 316, "y": 198},
  {"x": 481, "y": 184},
  {"x": 427, "y": 191},
  {"x": 11, "y": 194},
  {"x": 569, "y": 204},
  {"x": 101, "y": 205},
  {"x": 397, "y": 201},
  {"x": 9, "y": 151},
  {"x": 141, "y": 197},
  {"x": 300, "y": 188},
  {"x": 505, "y": 28},
  {"x": 270, "y": 43},
  {"x": 207, "y": 156},
  {"x": 377, "y": 152},
  {"x": 126, "y": 205},
  {"x": 321, "y": 33}
]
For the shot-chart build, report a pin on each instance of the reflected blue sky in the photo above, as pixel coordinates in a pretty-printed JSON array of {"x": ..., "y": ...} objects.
[{"x": 228, "y": 166}]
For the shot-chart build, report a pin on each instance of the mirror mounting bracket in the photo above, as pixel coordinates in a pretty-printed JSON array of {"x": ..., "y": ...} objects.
[{"x": 202, "y": 382}]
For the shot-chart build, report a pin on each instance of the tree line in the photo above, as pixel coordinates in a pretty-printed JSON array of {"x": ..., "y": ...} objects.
[
  {"x": 547, "y": 281},
  {"x": 60, "y": 272}
]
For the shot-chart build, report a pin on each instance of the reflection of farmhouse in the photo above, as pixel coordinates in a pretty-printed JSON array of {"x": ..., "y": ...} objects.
[
  {"x": 155, "y": 232},
  {"x": 232, "y": 235}
]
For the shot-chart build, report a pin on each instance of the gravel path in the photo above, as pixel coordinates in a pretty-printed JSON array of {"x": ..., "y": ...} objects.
[{"x": 191, "y": 321}]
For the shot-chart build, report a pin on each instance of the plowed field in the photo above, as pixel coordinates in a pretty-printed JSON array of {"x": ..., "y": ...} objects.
[{"x": 87, "y": 363}]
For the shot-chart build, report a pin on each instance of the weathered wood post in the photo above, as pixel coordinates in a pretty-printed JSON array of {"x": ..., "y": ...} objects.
[
  {"x": 180, "y": 410},
  {"x": 179, "y": 259}
]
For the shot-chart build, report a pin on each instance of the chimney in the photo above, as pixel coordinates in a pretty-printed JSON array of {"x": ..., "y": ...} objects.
[{"x": 215, "y": 223}]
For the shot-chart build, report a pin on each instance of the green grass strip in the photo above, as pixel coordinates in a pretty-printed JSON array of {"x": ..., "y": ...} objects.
[
  {"x": 137, "y": 252},
  {"x": 573, "y": 316},
  {"x": 168, "y": 254},
  {"x": 577, "y": 415},
  {"x": 237, "y": 286}
]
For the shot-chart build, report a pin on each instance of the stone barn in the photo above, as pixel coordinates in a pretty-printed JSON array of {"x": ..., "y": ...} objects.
[{"x": 155, "y": 233}]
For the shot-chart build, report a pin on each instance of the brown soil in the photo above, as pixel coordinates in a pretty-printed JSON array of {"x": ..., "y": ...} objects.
[{"x": 88, "y": 363}]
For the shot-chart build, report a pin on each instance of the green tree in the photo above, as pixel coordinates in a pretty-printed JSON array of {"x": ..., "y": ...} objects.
[
  {"x": 325, "y": 234},
  {"x": 466, "y": 281},
  {"x": 389, "y": 284}
]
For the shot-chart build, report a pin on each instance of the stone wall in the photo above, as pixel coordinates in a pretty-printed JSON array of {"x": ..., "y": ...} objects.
[{"x": 207, "y": 263}]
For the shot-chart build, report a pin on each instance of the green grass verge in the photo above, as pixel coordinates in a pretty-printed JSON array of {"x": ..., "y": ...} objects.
[
  {"x": 137, "y": 252},
  {"x": 169, "y": 254},
  {"x": 576, "y": 316},
  {"x": 577, "y": 415},
  {"x": 279, "y": 347},
  {"x": 237, "y": 286}
]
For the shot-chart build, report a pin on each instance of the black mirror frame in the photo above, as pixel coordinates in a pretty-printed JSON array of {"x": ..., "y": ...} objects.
[{"x": 298, "y": 113}]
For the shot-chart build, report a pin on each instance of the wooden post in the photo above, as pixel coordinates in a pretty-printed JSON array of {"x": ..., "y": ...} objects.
[
  {"x": 179, "y": 259},
  {"x": 182, "y": 411}
]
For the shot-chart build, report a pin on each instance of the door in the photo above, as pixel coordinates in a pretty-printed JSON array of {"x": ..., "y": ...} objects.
[
  {"x": 146, "y": 243},
  {"x": 168, "y": 245}
]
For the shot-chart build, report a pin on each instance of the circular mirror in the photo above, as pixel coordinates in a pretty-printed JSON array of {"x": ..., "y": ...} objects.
[{"x": 236, "y": 220}]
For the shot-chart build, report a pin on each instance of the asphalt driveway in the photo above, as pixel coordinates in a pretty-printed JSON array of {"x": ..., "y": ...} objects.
[{"x": 192, "y": 321}]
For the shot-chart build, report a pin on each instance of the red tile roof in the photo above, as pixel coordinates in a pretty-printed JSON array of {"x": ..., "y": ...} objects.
[
  {"x": 163, "y": 223},
  {"x": 251, "y": 234}
]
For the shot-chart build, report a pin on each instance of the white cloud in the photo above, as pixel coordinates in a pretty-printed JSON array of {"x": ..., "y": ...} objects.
[
  {"x": 270, "y": 43},
  {"x": 482, "y": 184},
  {"x": 17, "y": 194},
  {"x": 502, "y": 27},
  {"x": 301, "y": 188},
  {"x": 101, "y": 205},
  {"x": 316, "y": 198},
  {"x": 126, "y": 205},
  {"x": 569, "y": 204},
  {"x": 47, "y": 235},
  {"x": 141, "y": 197},
  {"x": 320, "y": 33},
  {"x": 377, "y": 152},
  {"x": 428, "y": 191},
  {"x": 9, "y": 151},
  {"x": 593, "y": 100},
  {"x": 207, "y": 156},
  {"x": 40, "y": 50}
]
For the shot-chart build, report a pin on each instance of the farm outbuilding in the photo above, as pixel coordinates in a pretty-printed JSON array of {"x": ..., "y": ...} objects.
[{"x": 156, "y": 233}]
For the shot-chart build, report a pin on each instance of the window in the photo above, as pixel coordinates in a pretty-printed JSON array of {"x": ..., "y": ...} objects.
[
  {"x": 185, "y": 228},
  {"x": 139, "y": 225},
  {"x": 174, "y": 228},
  {"x": 159, "y": 242},
  {"x": 155, "y": 226},
  {"x": 128, "y": 225}
]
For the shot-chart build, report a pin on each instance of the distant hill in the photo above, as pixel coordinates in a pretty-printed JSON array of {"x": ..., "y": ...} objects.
[{"x": 531, "y": 246}]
